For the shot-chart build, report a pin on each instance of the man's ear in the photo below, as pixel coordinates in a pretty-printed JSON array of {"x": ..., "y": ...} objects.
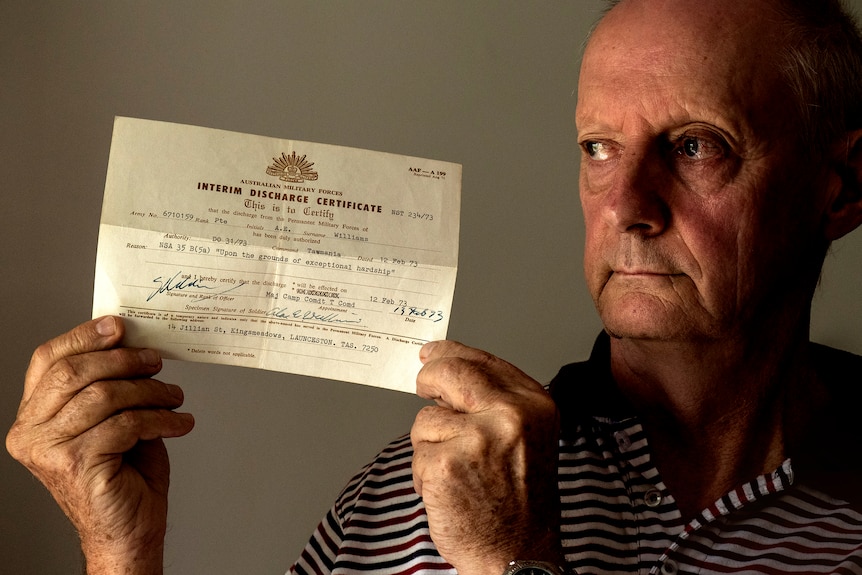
[{"x": 845, "y": 213}]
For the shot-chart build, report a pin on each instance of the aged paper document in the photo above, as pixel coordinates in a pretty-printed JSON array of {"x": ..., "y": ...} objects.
[{"x": 290, "y": 256}]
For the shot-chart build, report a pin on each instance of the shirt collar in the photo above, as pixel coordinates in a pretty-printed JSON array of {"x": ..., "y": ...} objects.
[{"x": 827, "y": 458}]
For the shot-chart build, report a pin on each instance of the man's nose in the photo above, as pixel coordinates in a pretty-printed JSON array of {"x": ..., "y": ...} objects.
[{"x": 635, "y": 202}]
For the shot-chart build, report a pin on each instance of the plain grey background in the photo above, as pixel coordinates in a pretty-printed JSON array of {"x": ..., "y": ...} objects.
[{"x": 488, "y": 85}]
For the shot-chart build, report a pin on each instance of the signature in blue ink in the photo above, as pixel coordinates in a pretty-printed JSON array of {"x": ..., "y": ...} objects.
[
  {"x": 178, "y": 283},
  {"x": 300, "y": 315},
  {"x": 175, "y": 282}
]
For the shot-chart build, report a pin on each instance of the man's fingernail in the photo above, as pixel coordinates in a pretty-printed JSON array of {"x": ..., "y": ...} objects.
[
  {"x": 106, "y": 326},
  {"x": 175, "y": 391},
  {"x": 426, "y": 350},
  {"x": 149, "y": 357}
]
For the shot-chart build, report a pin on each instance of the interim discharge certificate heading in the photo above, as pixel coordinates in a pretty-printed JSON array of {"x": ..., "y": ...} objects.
[{"x": 278, "y": 254}]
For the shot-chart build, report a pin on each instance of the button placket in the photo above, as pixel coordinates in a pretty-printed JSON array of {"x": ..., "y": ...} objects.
[{"x": 624, "y": 442}]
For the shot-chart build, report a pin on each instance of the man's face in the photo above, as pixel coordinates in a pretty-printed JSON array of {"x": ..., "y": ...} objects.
[{"x": 699, "y": 208}]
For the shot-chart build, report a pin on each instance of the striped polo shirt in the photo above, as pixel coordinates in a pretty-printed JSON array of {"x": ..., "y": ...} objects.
[{"x": 617, "y": 515}]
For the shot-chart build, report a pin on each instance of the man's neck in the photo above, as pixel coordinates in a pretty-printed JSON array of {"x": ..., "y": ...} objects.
[{"x": 713, "y": 413}]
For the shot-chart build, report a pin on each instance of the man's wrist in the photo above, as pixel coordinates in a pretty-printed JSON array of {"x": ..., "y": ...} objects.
[{"x": 143, "y": 560}]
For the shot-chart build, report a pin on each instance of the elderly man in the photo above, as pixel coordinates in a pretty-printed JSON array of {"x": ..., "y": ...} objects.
[{"x": 722, "y": 147}]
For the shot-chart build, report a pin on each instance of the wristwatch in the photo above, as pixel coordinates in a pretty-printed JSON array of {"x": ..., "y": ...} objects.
[{"x": 526, "y": 567}]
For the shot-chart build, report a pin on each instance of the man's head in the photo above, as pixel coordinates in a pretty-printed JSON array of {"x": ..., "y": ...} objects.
[{"x": 709, "y": 198}]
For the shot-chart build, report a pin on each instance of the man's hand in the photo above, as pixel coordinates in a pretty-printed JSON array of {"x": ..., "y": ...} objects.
[
  {"x": 90, "y": 428},
  {"x": 485, "y": 460}
]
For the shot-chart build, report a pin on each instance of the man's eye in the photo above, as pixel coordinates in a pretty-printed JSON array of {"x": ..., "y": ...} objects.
[
  {"x": 691, "y": 147},
  {"x": 695, "y": 148},
  {"x": 597, "y": 150}
]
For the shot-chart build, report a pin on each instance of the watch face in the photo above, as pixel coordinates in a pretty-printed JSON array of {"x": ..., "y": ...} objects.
[
  {"x": 533, "y": 568},
  {"x": 532, "y": 571}
]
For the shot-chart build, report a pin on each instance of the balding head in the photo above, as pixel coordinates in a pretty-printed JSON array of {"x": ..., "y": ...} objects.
[{"x": 817, "y": 48}]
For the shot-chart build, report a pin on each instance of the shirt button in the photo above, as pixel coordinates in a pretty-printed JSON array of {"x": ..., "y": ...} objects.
[
  {"x": 668, "y": 567},
  {"x": 623, "y": 440},
  {"x": 652, "y": 498}
]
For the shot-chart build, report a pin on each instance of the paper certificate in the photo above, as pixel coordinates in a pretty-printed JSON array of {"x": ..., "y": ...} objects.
[{"x": 290, "y": 256}]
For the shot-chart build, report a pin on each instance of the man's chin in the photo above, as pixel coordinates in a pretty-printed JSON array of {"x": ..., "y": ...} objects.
[
  {"x": 630, "y": 333},
  {"x": 647, "y": 323}
]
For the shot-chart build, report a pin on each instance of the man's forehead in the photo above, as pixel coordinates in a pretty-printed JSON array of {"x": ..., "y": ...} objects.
[
  {"x": 673, "y": 61},
  {"x": 697, "y": 26},
  {"x": 674, "y": 36}
]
